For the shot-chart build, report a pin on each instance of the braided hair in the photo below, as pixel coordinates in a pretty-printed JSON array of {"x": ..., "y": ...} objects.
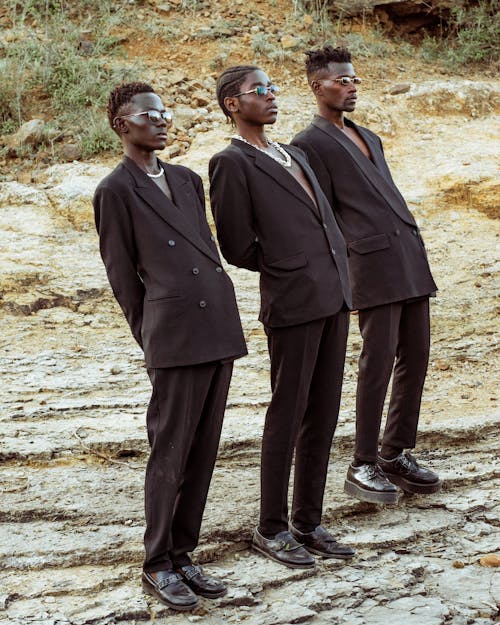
[
  {"x": 318, "y": 60},
  {"x": 229, "y": 84},
  {"x": 121, "y": 95}
]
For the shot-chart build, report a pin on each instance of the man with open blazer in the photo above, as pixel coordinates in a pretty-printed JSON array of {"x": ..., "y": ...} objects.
[
  {"x": 272, "y": 217},
  {"x": 390, "y": 277},
  {"x": 165, "y": 272}
]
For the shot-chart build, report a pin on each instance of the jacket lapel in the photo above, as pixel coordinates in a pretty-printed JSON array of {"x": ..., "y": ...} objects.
[
  {"x": 376, "y": 171},
  {"x": 182, "y": 216},
  {"x": 278, "y": 173},
  {"x": 321, "y": 201}
]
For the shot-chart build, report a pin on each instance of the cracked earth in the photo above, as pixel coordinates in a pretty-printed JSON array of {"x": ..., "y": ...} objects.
[{"x": 74, "y": 390}]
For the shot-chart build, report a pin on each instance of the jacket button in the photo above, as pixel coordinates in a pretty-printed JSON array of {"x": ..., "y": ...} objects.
[
  {"x": 415, "y": 232},
  {"x": 171, "y": 243},
  {"x": 333, "y": 251},
  {"x": 203, "y": 304},
  {"x": 212, "y": 238},
  {"x": 325, "y": 226},
  {"x": 218, "y": 269},
  {"x": 195, "y": 271},
  {"x": 397, "y": 233}
]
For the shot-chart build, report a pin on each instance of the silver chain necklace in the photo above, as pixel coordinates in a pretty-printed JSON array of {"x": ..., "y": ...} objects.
[
  {"x": 160, "y": 173},
  {"x": 276, "y": 146}
]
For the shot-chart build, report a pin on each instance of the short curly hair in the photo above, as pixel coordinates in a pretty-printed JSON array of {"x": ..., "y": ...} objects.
[
  {"x": 229, "y": 83},
  {"x": 318, "y": 60},
  {"x": 121, "y": 95}
]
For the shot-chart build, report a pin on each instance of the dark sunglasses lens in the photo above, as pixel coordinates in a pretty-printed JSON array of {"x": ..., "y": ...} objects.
[
  {"x": 274, "y": 89},
  {"x": 260, "y": 90},
  {"x": 345, "y": 80},
  {"x": 356, "y": 80},
  {"x": 155, "y": 116}
]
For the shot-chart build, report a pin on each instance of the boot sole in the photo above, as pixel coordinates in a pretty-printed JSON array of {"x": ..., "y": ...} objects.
[
  {"x": 330, "y": 556},
  {"x": 206, "y": 594},
  {"x": 175, "y": 606},
  {"x": 414, "y": 487},
  {"x": 290, "y": 565},
  {"x": 369, "y": 495}
]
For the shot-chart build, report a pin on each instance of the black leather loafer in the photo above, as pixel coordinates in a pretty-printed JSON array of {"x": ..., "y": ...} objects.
[
  {"x": 170, "y": 589},
  {"x": 405, "y": 472},
  {"x": 322, "y": 543},
  {"x": 368, "y": 483},
  {"x": 283, "y": 548},
  {"x": 200, "y": 583}
]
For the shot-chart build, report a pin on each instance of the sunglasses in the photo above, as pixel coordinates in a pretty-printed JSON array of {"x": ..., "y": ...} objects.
[
  {"x": 344, "y": 80},
  {"x": 154, "y": 116},
  {"x": 260, "y": 90}
]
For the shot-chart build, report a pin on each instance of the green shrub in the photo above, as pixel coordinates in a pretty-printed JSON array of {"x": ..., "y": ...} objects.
[
  {"x": 51, "y": 62},
  {"x": 472, "y": 35},
  {"x": 266, "y": 46},
  {"x": 98, "y": 137}
]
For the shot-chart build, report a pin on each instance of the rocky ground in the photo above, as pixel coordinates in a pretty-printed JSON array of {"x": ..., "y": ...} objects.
[{"x": 74, "y": 389}]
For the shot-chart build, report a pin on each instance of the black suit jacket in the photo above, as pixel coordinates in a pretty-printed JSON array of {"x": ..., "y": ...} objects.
[
  {"x": 164, "y": 268},
  {"x": 387, "y": 257},
  {"x": 266, "y": 222}
]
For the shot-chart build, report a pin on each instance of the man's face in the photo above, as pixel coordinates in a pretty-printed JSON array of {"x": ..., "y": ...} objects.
[
  {"x": 139, "y": 130},
  {"x": 331, "y": 92},
  {"x": 251, "y": 107}
]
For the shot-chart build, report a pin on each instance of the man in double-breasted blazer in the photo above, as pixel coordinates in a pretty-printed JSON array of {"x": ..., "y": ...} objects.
[
  {"x": 272, "y": 217},
  {"x": 390, "y": 277},
  {"x": 165, "y": 272}
]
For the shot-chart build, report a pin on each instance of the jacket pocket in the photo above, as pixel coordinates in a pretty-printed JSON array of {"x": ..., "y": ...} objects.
[
  {"x": 166, "y": 297},
  {"x": 290, "y": 262},
  {"x": 369, "y": 244}
]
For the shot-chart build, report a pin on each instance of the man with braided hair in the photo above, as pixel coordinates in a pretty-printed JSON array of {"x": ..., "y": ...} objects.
[
  {"x": 165, "y": 272},
  {"x": 390, "y": 276},
  {"x": 272, "y": 217}
]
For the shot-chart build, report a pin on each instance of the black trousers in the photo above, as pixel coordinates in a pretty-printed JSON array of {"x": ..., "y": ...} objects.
[
  {"x": 184, "y": 421},
  {"x": 307, "y": 365},
  {"x": 395, "y": 337}
]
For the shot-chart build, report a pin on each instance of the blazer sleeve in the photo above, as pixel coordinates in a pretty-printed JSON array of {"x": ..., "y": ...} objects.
[
  {"x": 118, "y": 251},
  {"x": 205, "y": 231},
  {"x": 231, "y": 205}
]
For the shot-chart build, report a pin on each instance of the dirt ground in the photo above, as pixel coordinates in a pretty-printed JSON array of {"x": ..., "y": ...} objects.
[{"x": 74, "y": 389}]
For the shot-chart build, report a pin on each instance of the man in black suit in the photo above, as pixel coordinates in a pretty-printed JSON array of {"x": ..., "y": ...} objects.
[
  {"x": 272, "y": 217},
  {"x": 390, "y": 276},
  {"x": 165, "y": 272}
]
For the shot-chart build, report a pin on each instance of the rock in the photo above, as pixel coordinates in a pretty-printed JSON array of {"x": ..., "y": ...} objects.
[
  {"x": 308, "y": 20},
  {"x": 288, "y": 42},
  {"x": 417, "y": 610},
  {"x": 491, "y": 559},
  {"x": 71, "y": 152},
  {"x": 30, "y": 133},
  {"x": 175, "y": 77},
  {"x": 398, "y": 89},
  {"x": 72, "y": 188},
  {"x": 455, "y": 97},
  {"x": 173, "y": 150},
  {"x": 472, "y": 587},
  {"x": 86, "y": 47},
  {"x": 163, "y": 8},
  {"x": 374, "y": 116},
  {"x": 201, "y": 98},
  {"x": 442, "y": 365},
  {"x": 398, "y": 8}
]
